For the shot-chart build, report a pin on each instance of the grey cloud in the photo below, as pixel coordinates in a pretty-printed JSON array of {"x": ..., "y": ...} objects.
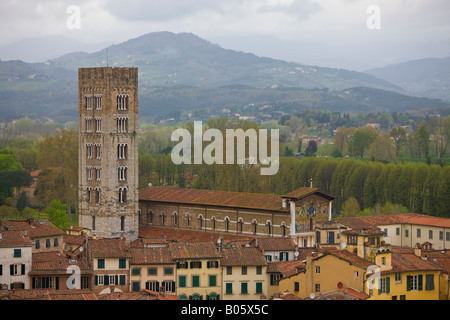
[
  {"x": 159, "y": 10},
  {"x": 299, "y": 8}
]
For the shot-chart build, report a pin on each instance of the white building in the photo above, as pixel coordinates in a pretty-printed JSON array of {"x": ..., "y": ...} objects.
[{"x": 15, "y": 258}]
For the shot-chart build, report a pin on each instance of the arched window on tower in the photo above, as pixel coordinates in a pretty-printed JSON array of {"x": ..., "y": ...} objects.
[
  {"x": 175, "y": 219},
  {"x": 240, "y": 225},
  {"x": 200, "y": 221},
  {"x": 213, "y": 220},
  {"x": 227, "y": 224},
  {"x": 122, "y": 194},
  {"x": 269, "y": 227},
  {"x": 255, "y": 226},
  {"x": 89, "y": 194}
]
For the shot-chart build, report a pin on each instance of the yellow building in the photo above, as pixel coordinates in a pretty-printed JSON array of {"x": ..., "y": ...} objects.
[
  {"x": 325, "y": 272},
  {"x": 403, "y": 275},
  {"x": 244, "y": 273},
  {"x": 198, "y": 270}
]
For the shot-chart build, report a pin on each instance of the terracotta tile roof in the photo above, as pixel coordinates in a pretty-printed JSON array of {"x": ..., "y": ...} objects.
[
  {"x": 305, "y": 192},
  {"x": 144, "y": 294},
  {"x": 14, "y": 237},
  {"x": 74, "y": 294},
  {"x": 28, "y": 294},
  {"x": 172, "y": 234},
  {"x": 347, "y": 256},
  {"x": 409, "y": 218},
  {"x": 193, "y": 250},
  {"x": 272, "y": 267},
  {"x": 275, "y": 244},
  {"x": 242, "y": 256},
  {"x": 343, "y": 294},
  {"x": 108, "y": 248},
  {"x": 257, "y": 201},
  {"x": 404, "y": 260},
  {"x": 35, "y": 228},
  {"x": 74, "y": 239},
  {"x": 438, "y": 258},
  {"x": 289, "y": 268},
  {"x": 35, "y": 173},
  {"x": 54, "y": 262},
  {"x": 289, "y": 296},
  {"x": 151, "y": 256}
]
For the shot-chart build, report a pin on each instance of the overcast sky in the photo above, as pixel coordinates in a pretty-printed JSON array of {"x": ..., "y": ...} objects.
[{"x": 289, "y": 29}]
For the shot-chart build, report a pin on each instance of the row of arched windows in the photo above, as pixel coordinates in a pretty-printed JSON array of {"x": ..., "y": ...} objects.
[{"x": 161, "y": 220}]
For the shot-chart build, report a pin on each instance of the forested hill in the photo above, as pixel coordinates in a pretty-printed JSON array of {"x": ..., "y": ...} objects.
[
  {"x": 182, "y": 72},
  {"x": 428, "y": 77}
]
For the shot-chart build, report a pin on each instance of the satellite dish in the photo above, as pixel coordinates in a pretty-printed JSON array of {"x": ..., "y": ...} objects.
[
  {"x": 312, "y": 295},
  {"x": 342, "y": 245},
  {"x": 296, "y": 253},
  {"x": 81, "y": 249}
]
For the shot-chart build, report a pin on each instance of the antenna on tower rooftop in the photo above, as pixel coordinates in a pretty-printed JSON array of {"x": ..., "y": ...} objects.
[{"x": 107, "y": 58}]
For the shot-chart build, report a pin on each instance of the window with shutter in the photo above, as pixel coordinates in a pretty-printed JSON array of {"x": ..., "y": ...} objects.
[
  {"x": 429, "y": 282},
  {"x": 195, "y": 281},
  {"x": 244, "y": 288},
  {"x": 212, "y": 280},
  {"x": 420, "y": 281},
  {"x": 259, "y": 288},
  {"x": 122, "y": 279},
  {"x": 229, "y": 288},
  {"x": 182, "y": 281}
]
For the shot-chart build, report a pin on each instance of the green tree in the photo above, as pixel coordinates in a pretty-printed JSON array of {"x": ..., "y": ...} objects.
[
  {"x": 58, "y": 214},
  {"x": 351, "y": 208},
  {"x": 311, "y": 149},
  {"x": 399, "y": 136},
  {"x": 422, "y": 140},
  {"x": 60, "y": 152}
]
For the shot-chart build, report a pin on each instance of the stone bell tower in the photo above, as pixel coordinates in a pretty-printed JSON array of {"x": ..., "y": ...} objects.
[{"x": 108, "y": 156}]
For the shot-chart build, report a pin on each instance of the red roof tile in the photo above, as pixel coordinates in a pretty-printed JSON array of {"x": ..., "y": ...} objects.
[
  {"x": 172, "y": 234},
  {"x": 108, "y": 248},
  {"x": 275, "y": 244},
  {"x": 305, "y": 192},
  {"x": 242, "y": 256},
  {"x": 151, "y": 256},
  {"x": 35, "y": 228},
  {"x": 404, "y": 260},
  {"x": 401, "y": 218},
  {"x": 289, "y": 268},
  {"x": 14, "y": 237},
  {"x": 257, "y": 201},
  {"x": 193, "y": 250}
]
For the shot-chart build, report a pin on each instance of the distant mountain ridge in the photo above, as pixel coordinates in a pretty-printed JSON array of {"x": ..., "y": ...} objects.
[
  {"x": 180, "y": 71},
  {"x": 427, "y": 77},
  {"x": 166, "y": 58}
]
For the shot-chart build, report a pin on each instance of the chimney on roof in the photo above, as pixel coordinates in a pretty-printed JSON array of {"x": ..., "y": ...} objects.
[
  {"x": 25, "y": 233},
  {"x": 418, "y": 250}
]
